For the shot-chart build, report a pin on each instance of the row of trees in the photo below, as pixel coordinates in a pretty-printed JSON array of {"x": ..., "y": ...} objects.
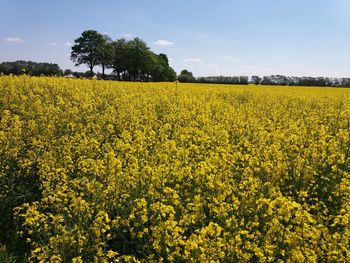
[
  {"x": 31, "y": 68},
  {"x": 132, "y": 60},
  {"x": 300, "y": 81},
  {"x": 224, "y": 80},
  {"x": 129, "y": 59},
  {"x": 187, "y": 76},
  {"x": 279, "y": 80}
]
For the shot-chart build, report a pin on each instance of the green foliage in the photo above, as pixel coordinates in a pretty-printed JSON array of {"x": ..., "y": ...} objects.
[
  {"x": 130, "y": 59},
  {"x": 5, "y": 256},
  {"x": 301, "y": 81},
  {"x": 89, "y": 49},
  {"x": 186, "y": 76},
  {"x": 31, "y": 68},
  {"x": 223, "y": 80},
  {"x": 106, "y": 54},
  {"x": 133, "y": 60}
]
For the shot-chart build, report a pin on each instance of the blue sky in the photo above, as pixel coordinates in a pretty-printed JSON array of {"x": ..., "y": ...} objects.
[{"x": 237, "y": 37}]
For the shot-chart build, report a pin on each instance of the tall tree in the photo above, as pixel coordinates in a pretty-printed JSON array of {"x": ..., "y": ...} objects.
[
  {"x": 87, "y": 49},
  {"x": 138, "y": 52},
  {"x": 120, "y": 57},
  {"x": 105, "y": 54},
  {"x": 156, "y": 67},
  {"x": 168, "y": 74}
]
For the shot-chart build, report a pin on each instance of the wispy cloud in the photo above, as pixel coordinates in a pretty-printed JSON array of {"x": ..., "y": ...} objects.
[
  {"x": 67, "y": 44},
  {"x": 230, "y": 58},
  {"x": 193, "y": 60},
  {"x": 226, "y": 58},
  {"x": 163, "y": 42},
  {"x": 13, "y": 40},
  {"x": 51, "y": 44},
  {"x": 126, "y": 35}
]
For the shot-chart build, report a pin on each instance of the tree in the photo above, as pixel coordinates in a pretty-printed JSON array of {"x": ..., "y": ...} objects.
[
  {"x": 256, "y": 80},
  {"x": 67, "y": 72},
  {"x": 186, "y": 76},
  {"x": 164, "y": 57},
  {"x": 138, "y": 56},
  {"x": 120, "y": 56},
  {"x": 105, "y": 54},
  {"x": 87, "y": 49},
  {"x": 130, "y": 59},
  {"x": 168, "y": 74}
]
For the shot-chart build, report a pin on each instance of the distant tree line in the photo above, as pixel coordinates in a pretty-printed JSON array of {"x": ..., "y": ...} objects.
[
  {"x": 132, "y": 60},
  {"x": 77, "y": 74},
  {"x": 129, "y": 59},
  {"x": 31, "y": 68},
  {"x": 300, "y": 81},
  {"x": 224, "y": 80},
  {"x": 187, "y": 76}
]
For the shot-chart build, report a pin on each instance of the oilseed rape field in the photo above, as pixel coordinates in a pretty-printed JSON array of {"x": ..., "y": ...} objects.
[{"x": 102, "y": 171}]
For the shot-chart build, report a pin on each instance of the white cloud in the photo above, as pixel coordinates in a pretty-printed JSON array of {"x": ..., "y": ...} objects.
[
  {"x": 126, "y": 35},
  {"x": 193, "y": 60},
  {"x": 14, "y": 40},
  {"x": 51, "y": 44},
  {"x": 226, "y": 57},
  {"x": 163, "y": 42},
  {"x": 230, "y": 59},
  {"x": 67, "y": 44}
]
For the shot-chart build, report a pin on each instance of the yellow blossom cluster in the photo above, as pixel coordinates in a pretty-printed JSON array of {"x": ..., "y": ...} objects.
[{"x": 102, "y": 171}]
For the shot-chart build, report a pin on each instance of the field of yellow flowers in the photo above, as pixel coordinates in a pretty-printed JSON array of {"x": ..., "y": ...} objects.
[{"x": 100, "y": 171}]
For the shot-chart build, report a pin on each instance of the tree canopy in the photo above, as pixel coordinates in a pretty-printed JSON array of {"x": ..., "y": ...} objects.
[
  {"x": 186, "y": 76},
  {"x": 88, "y": 49},
  {"x": 129, "y": 59}
]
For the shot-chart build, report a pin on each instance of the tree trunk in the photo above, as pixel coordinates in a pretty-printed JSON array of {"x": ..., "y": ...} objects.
[
  {"x": 103, "y": 71},
  {"x": 91, "y": 72}
]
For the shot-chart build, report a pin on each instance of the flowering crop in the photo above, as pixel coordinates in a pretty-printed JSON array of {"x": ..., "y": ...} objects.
[{"x": 99, "y": 171}]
